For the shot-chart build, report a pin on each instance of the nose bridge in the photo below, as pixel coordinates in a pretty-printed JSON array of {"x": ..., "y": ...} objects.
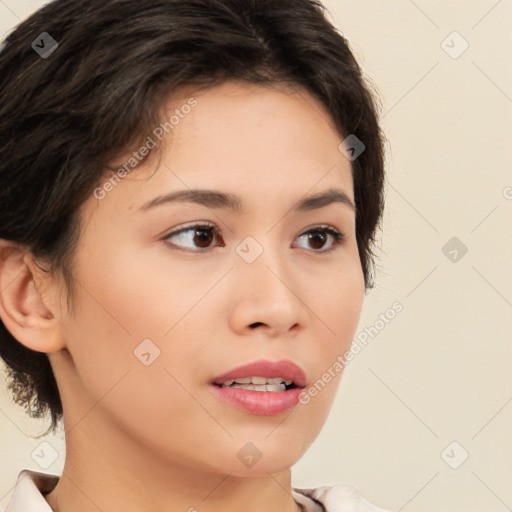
[
  {"x": 267, "y": 293},
  {"x": 262, "y": 267}
]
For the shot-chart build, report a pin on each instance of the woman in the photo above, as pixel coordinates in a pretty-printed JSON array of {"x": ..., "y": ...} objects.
[{"x": 193, "y": 191}]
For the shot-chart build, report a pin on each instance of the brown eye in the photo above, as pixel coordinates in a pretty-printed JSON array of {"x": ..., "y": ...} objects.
[
  {"x": 318, "y": 237},
  {"x": 203, "y": 237},
  {"x": 199, "y": 236}
]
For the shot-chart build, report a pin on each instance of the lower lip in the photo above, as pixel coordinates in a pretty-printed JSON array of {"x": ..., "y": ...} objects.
[{"x": 262, "y": 403}]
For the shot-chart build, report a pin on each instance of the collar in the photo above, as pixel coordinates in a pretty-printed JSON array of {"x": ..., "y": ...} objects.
[
  {"x": 29, "y": 490},
  {"x": 31, "y": 486}
]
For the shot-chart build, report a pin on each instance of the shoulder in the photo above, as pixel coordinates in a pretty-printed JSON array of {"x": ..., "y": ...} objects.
[{"x": 339, "y": 498}]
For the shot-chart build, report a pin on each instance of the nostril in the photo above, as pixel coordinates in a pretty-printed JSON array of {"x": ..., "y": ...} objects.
[{"x": 256, "y": 324}]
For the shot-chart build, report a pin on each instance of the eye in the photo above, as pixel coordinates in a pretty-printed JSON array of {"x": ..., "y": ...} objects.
[
  {"x": 202, "y": 235},
  {"x": 320, "y": 234}
]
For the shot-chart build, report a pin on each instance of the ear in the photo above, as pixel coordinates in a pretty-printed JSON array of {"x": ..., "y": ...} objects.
[{"x": 28, "y": 307}]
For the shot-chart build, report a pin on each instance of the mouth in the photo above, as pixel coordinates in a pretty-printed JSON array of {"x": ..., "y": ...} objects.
[{"x": 262, "y": 388}]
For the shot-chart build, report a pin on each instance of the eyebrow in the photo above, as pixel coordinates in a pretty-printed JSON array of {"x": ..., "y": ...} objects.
[{"x": 216, "y": 199}]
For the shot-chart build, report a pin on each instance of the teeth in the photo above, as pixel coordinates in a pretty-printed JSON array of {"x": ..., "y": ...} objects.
[
  {"x": 275, "y": 387},
  {"x": 264, "y": 387},
  {"x": 258, "y": 383},
  {"x": 277, "y": 380},
  {"x": 245, "y": 380}
]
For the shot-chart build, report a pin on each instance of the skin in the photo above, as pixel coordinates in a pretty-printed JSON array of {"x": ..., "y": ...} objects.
[{"x": 155, "y": 437}]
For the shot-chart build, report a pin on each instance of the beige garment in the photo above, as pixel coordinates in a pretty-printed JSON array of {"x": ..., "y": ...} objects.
[{"x": 31, "y": 485}]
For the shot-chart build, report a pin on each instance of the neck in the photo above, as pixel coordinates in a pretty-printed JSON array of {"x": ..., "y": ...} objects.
[{"x": 108, "y": 470}]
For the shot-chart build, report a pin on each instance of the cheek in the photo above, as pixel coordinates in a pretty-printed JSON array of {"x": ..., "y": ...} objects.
[
  {"x": 338, "y": 303},
  {"x": 131, "y": 311},
  {"x": 130, "y": 292},
  {"x": 112, "y": 337},
  {"x": 337, "y": 306}
]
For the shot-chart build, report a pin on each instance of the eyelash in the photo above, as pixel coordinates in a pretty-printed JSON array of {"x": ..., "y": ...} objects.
[{"x": 337, "y": 236}]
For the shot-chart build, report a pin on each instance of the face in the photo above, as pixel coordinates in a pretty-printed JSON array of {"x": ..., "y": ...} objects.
[{"x": 173, "y": 295}]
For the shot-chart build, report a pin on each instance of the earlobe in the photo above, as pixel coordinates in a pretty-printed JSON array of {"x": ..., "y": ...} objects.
[{"x": 25, "y": 308}]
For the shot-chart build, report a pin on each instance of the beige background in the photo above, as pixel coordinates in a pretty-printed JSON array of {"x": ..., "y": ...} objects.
[{"x": 439, "y": 371}]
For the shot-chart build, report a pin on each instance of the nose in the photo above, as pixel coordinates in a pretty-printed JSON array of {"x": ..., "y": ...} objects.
[{"x": 268, "y": 295}]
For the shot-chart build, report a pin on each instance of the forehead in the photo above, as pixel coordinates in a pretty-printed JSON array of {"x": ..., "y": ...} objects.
[
  {"x": 262, "y": 110},
  {"x": 255, "y": 141}
]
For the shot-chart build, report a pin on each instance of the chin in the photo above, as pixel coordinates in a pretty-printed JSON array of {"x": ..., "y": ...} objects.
[
  {"x": 250, "y": 461},
  {"x": 260, "y": 469}
]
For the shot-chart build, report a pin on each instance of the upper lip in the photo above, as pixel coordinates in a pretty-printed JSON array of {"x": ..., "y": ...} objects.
[{"x": 264, "y": 368}]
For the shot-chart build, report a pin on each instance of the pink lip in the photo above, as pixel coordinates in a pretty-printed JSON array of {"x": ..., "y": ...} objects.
[
  {"x": 262, "y": 403},
  {"x": 269, "y": 369}
]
